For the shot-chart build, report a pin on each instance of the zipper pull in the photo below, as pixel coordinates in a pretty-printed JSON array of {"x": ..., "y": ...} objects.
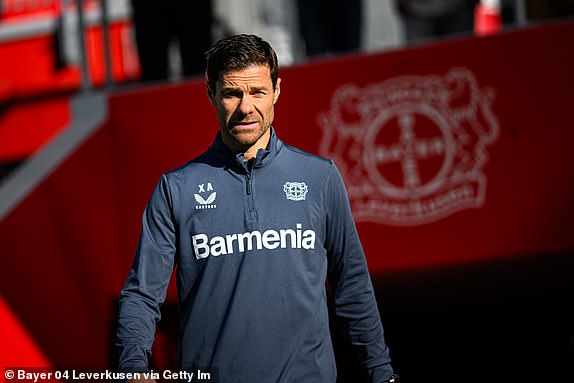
[{"x": 248, "y": 184}]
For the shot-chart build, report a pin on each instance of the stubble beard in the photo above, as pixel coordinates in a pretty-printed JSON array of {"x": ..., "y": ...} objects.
[{"x": 241, "y": 141}]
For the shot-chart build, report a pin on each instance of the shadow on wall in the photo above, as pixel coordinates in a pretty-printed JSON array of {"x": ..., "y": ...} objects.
[{"x": 506, "y": 321}]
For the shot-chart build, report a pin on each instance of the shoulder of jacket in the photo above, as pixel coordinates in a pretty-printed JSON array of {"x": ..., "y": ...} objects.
[
  {"x": 307, "y": 155},
  {"x": 197, "y": 165}
]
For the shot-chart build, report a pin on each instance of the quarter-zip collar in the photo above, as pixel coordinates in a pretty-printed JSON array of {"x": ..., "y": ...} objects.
[{"x": 236, "y": 160}]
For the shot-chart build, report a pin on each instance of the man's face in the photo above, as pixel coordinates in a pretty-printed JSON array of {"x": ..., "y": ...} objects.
[{"x": 244, "y": 102}]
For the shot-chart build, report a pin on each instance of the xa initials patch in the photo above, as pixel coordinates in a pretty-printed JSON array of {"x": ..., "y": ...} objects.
[{"x": 207, "y": 202}]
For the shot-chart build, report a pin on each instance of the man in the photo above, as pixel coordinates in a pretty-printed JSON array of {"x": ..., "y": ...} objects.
[
  {"x": 158, "y": 23},
  {"x": 255, "y": 227},
  {"x": 330, "y": 26},
  {"x": 428, "y": 19}
]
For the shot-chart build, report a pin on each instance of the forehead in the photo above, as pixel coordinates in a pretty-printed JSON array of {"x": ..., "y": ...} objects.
[{"x": 259, "y": 75}]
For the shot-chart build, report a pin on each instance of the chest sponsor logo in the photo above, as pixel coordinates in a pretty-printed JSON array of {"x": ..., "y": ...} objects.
[
  {"x": 297, "y": 238},
  {"x": 295, "y": 191},
  {"x": 412, "y": 148},
  {"x": 205, "y": 197}
]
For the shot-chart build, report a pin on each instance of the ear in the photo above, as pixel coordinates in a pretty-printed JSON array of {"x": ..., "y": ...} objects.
[
  {"x": 277, "y": 90},
  {"x": 210, "y": 93}
]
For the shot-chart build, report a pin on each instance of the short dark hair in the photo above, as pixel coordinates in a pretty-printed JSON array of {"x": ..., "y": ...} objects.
[{"x": 238, "y": 52}]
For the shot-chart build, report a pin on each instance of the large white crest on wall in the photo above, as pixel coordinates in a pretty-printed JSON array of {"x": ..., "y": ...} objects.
[{"x": 411, "y": 149}]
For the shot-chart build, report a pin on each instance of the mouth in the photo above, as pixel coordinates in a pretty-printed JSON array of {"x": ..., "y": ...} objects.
[{"x": 243, "y": 124}]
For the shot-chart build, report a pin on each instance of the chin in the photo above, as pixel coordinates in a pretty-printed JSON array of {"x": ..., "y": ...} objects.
[
  {"x": 246, "y": 141},
  {"x": 246, "y": 138}
]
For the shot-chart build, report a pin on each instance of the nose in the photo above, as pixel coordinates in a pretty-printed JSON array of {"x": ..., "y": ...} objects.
[{"x": 246, "y": 105}]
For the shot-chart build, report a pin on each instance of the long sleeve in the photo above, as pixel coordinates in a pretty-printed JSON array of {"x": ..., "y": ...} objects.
[
  {"x": 348, "y": 276},
  {"x": 147, "y": 282}
]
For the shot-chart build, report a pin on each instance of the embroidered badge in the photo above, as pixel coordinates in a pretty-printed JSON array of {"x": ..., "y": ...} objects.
[{"x": 295, "y": 191}]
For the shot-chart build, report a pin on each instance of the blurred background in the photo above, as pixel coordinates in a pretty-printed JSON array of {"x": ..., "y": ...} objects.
[{"x": 451, "y": 121}]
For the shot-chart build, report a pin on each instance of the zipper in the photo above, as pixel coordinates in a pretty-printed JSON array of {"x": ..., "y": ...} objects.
[{"x": 251, "y": 213}]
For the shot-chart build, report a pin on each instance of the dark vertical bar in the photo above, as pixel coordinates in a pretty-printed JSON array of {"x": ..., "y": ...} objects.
[
  {"x": 520, "y": 13},
  {"x": 106, "y": 41},
  {"x": 86, "y": 81}
]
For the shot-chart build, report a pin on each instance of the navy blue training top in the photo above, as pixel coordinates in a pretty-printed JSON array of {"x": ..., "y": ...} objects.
[{"x": 253, "y": 243}]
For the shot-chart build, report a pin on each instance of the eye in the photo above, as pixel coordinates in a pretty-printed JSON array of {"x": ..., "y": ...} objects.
[{"x": 231, "y": 94}]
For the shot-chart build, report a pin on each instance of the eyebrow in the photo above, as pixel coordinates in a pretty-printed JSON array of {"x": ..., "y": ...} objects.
[{"x": 251, "y": 89}]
